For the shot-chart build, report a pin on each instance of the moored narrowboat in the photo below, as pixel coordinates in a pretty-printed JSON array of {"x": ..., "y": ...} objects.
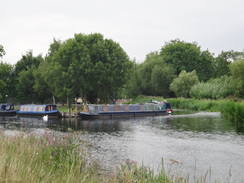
[
  {"x": 119, "y": 111},
  {"x": 32, "y": 110},
  {"x": 7, "y": 110}
]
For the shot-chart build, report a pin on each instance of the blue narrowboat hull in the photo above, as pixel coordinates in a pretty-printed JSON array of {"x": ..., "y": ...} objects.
[
  {"x": 38, "y": 114},
  {"x": 8, "y": 113},
  {"x": 7, "y": 110}
]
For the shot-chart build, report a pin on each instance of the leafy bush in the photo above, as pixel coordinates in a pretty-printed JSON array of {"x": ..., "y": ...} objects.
[
  {"x": 181, "y": 86},
  {"x": 218, "y": 88}
]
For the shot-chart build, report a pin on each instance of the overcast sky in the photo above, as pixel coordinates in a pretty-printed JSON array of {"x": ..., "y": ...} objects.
[{"x": 139, "y": 26}]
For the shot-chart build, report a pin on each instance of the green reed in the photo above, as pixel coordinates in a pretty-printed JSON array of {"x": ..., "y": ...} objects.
[{"x": 234, "y": 112}]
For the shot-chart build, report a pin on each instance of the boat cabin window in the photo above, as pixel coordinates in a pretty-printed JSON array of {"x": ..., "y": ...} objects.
[
  {"x": 51, "y": 107},
  {"x": 3, "y": 107},
  {"x": 167, "y": 105}
]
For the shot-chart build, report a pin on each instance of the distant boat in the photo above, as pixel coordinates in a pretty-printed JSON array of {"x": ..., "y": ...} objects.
[
  {"x": 31, "y": 110},
  {"x": 117, "y": 111},
  {"x": 7, "y": 110}
]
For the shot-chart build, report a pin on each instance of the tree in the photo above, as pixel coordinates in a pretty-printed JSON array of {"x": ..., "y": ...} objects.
[
  {"x": 48, "y": 72},
  {"x": 88, "y": 66},
  {"x": 237, "y": 71},
  {"x": 41, "y": 88},
  {"x": 53, "y": 48},
  {"x": 155, "y": 75},
  {"x": 24, "y": 71},
  {"x": 131, "y": 88},
  {"x": 181, "y": 86},
  {"x": 7, "y": 86},
  {"x": 26, "y": 81},
  {"x": 222, "y": 62},
  {"x": 188, "y": 56},
  {"x": 27, "y": 61}
]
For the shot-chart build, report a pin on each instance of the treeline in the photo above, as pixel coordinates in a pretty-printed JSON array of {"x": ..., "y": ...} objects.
[{"x": 92, "y": 67}]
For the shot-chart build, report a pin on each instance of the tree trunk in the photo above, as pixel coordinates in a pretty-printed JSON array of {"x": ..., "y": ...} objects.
[{"x": 54, "y": 102}]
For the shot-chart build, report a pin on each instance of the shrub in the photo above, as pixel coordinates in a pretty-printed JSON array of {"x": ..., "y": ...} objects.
[{"x": 218, "y": 88}]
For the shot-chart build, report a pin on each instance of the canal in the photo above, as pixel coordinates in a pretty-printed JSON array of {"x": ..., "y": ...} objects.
[{"x": 195, "y": 144}]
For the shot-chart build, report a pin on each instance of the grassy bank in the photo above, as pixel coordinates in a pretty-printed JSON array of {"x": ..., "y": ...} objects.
[
  {"x": 234, "y": 111},
  {"x": 192, "y": 104},
  {"x": 48, "y": 158},
  {"x": 44, "y": 159}
]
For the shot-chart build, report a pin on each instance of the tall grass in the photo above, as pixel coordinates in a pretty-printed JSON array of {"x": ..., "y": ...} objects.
[
  {"x": 234, "y": 112},
  {"x": 199, "y": 105},
  {"x": 43, "y": 159},
  {"x": 58, "y": 159},
  {"x": 47, "y": 158}
]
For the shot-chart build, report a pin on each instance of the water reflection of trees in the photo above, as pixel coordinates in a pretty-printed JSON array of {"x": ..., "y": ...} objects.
[{"x": 210, "y": 124}]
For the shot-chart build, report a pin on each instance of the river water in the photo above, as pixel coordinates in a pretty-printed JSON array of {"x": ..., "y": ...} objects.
[{"x": 195, "y": 144}]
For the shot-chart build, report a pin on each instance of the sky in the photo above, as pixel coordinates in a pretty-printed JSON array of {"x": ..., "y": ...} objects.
[{"x": 139, "y": 26}]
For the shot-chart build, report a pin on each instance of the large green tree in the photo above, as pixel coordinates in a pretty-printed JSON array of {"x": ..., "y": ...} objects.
[
  {"x": 27, "y": 61},
  {"x": 181, "y": 86},
  {"x": 88, "y": 66},
  {"x": 223, "y": 60},
  {"x": 47, "y": 73},
  {"x": 24, "y": 70},
  {"x": 155, "y": 75},
  {"x": 132, "y": 88},
  {"x": 26, "y": 81},
  {"x": 188, "y": 56}
]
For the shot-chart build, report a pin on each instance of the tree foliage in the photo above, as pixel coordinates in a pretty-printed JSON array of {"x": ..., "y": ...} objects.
[
  {"x": 188, "y": 56},
  {"x": 181, "y": 85},
  {"x": 25, "y": 69},
  {"x": 6, "y": 77},
  {"x": 92, "y": 67},
  {"x": 27, "y": 61},
  {"x": 221, "y": 63},
  {"x": 155, "y": 75},
  {"x": 88, "y": 66},
  {"x": 237, "y": 71}
]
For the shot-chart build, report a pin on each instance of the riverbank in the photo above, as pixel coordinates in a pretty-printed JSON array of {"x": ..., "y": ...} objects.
[{"x": 48, "y": 157}]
